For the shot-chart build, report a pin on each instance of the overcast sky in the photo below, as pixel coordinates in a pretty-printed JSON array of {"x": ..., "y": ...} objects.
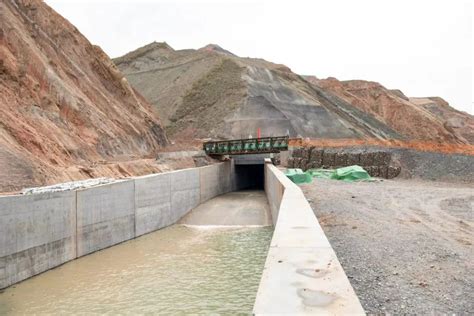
[{"x": 424, "y": 48}]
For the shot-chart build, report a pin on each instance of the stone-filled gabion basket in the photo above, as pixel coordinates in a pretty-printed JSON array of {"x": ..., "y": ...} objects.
[{"x": 377, "y": 162}]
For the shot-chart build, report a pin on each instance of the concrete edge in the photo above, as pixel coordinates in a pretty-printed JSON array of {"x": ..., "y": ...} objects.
[{"x": 302, "y": 274}]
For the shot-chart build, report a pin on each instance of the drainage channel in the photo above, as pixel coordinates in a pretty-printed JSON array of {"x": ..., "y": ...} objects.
[{"x": 210, "y": 262}]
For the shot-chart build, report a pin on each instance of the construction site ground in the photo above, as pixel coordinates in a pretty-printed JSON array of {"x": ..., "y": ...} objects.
[{"x": 406, "y": 245}]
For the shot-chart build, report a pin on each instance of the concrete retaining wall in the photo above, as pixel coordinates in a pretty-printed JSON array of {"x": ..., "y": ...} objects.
[
  {"x": 41, "y": 231},
  {"x": 105, "y": 216},
  {"x": 37, "y": 233},
  {"x": 186, "y": 191},
  {"x": 302, "y": 274},
  {"x": 209, "y": 177},
  {"x": 152, "y": 203}
]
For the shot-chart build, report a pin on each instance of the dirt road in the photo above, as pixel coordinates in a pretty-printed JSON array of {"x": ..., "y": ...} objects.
[{"x": 406, "y": 246}]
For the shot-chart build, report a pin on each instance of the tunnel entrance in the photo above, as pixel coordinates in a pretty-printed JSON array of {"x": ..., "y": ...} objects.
[{"x": 250, "y": 177}]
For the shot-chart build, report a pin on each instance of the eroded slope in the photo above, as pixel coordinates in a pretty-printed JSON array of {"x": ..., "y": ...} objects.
[
  {"x": 429, "y": 119},
  {"x": 212, "y": 93},
  {"x": 64, "y": 106}
]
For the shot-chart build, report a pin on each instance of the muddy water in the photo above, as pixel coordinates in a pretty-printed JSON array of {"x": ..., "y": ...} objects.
[{"x": 176, "y": 270}]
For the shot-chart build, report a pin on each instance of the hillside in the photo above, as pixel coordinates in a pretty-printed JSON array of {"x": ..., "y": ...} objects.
[
  {"x": 418, "y": 118},
  {"x": 66, "y": 111},
  {"x": 210, "y": 92}
]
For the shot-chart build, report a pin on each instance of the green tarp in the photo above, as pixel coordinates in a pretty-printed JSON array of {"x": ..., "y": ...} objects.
[
  {"x": 351, "y": 173},
  {"x": 298, "y": 176}
]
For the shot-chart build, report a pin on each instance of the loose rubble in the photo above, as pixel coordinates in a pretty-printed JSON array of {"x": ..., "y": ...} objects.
[
  {"x": 68, "y": 186},
  {"x": 405, "y": 245}
]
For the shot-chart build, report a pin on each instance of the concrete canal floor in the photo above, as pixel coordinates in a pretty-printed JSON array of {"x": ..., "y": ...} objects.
[
  {"x": 200, "y": 267},
  {"x": 240, "y": 208}
]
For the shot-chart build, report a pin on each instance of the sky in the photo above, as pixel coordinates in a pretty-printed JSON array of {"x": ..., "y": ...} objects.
[{"x": 422, "y": 47}]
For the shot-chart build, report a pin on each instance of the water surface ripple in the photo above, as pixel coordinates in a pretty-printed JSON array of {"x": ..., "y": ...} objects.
[{"x": 176, "y": 270}]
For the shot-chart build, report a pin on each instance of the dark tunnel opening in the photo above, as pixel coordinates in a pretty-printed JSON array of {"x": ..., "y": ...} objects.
[{"x": 250, "y": 177}]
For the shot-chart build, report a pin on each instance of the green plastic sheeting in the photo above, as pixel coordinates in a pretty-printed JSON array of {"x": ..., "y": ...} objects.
[
  {"x": 351, "y": 173},
  {"x": 320, "y": 173},
  {"x": 298, "y": 176}
]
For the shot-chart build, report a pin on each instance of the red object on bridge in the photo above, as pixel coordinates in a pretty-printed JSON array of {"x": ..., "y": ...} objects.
[{"x": 258, "y": 132}]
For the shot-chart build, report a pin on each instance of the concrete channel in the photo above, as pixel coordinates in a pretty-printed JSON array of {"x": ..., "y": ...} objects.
[{"x": 301, "y": 274}]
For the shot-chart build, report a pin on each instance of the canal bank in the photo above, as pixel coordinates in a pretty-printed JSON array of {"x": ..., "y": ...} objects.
[
  {"x": 188, "y": 268},
  {"x": 42, "y": 231},
  {"x": 301, "y": 275}
]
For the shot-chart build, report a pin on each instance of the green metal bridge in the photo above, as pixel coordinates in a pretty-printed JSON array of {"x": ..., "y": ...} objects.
[{"x": 247, "y": 146}]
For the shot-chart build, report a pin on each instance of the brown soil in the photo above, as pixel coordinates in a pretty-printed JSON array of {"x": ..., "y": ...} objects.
[
  {"x": 466, "y": 149},
  {"x": 66, "y": 111},
  {"x": 428, "y": 119}
]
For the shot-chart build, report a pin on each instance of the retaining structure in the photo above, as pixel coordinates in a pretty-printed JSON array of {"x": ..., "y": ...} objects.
[
  {"x": 42, "y": 231},
  {"x": 37, "y": 233},
  {"x": 377, "y": 162},
  {"x": 302, "y": 274}
]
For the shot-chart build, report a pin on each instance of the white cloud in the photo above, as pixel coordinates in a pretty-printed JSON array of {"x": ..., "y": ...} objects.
[{"x": 423, "y": 47}]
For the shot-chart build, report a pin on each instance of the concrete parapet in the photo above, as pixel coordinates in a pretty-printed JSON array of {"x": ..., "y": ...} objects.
[
  {"x": 302, "y": 274},
  {"x": 37, "y": 233},
  {"x": 105, "y": 216},
  {"x": 301, "y": 281}
]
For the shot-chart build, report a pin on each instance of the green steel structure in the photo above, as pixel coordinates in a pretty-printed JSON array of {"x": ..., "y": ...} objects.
[{"x": 247, "y": 146}]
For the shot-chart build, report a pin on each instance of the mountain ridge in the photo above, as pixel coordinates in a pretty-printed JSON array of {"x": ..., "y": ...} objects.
[{"x": 347, "y": 109}]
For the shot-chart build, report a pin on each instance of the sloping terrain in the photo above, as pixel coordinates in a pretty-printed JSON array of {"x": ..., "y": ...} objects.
[
  {"x": 66, "y": 112},
  {"x": 418, "y": 118},
  {"x": 212, "y": 93},
  {"x": 459, "y": 123}
]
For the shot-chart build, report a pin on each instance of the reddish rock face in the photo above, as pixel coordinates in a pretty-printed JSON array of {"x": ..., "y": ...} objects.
[
  {"x": 64, "y": 106},
  {"x": 425, "y": 119}
]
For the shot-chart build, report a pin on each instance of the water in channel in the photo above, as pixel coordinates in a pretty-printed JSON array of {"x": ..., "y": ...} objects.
[{"x": 176, "y": 270}]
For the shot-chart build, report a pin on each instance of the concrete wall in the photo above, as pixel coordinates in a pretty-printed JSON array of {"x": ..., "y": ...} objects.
[
  {"x": 41, "y": 231},
  {"x": 214, "y": 183},
  {"x": 37, "y": 233},
  {"x": 302, "y": 274},
  {"x": 105, "y": 216},
  {"x": 186, "y": 190},
  {"x": 152, "y": 203}
]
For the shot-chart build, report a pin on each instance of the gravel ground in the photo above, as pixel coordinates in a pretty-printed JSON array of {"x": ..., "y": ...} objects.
[{"x": 406, "y": 245}]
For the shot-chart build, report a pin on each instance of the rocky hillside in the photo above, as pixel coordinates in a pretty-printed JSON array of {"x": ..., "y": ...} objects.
[
  {"x": 417, "y": 118},
  {"x": 210, "y": 92},
  {"x": 66, "y": 111},
  {"x": 457, "y": 122}
]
